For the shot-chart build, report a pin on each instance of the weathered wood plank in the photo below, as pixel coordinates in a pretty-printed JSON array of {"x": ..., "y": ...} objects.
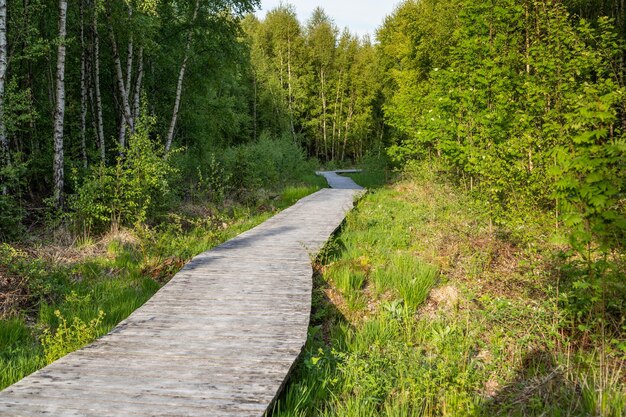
[{"x": 218, "y": 340}]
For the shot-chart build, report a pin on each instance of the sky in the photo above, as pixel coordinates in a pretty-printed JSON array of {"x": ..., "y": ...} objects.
[{"x": 360, "y": 16}]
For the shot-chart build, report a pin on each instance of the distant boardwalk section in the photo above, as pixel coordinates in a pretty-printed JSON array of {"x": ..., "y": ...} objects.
[
  {"x": 339, "y": 181},
  {"x": 218, "y": 340}
]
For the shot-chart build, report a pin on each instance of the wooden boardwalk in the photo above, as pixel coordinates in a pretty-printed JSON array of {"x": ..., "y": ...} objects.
[{"x": 218, "y": 340}]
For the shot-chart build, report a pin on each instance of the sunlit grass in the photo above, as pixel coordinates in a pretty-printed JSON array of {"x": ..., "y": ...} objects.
[
  {"x": 370, "y": 179},
  {"x": 410, "y": 277}
]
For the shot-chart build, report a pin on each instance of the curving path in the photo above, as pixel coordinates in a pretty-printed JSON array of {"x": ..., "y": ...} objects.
[{"x": 218, "y": 340}]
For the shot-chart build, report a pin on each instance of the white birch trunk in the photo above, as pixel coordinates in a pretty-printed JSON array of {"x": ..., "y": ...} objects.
[
  {"x": 179, "y": 85},
  {"x": 340, "y": 115},
  {"x": 138, "y": 81},
  {"x": 129, "y": 70},
  {"x": 119, "y": 78},
  {"x": 4, "y": 141},
  {"x": 345, "y": 134},
  {"x": 129, "y": 56},
  {"x": 336, "y": 109},
  {"x": 96, "y": 82},
  {"x": 83, "y": 87},
  {"x": 59, "y": 113}
]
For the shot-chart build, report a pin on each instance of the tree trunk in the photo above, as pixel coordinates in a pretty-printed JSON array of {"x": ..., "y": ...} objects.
[
  {"x": 96, "y": 82},
  {"x": 336, "y": 121},
  {"x": 59, "y": 111},
  {"x": 254, "y": 105},
  {"x": 290, "y": 89},
  {"x": 339, "y": 117},
  {"x": 179, "y": 85},
  {"x": 138, "y": 81},
  {"x": 83, "y": 87},
  {"x": 4, "y": 141},
  {"x": 345, "y": 133},
  {"x": 323, "y": 88},
  {"x": 129, "y": 71},
  {"x": 119, "y": 78}
]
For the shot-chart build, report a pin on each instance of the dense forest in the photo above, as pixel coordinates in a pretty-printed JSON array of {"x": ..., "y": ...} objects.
[
  {"x": 125, "y": 84},
  {"x": 522, "y": 103},
  {"x": 118, "y": 115}
]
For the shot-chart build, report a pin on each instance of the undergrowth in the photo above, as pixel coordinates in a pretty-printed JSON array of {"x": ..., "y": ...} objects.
[{"x": 422, "y": 307}]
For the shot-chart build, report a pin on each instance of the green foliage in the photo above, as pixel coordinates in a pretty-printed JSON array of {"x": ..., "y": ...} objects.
[
  {"x": 503, "y": 107},
  {"x": 214, "y": 185},
  {"x": 265, "y": 164},
  {"x": 314, "y": 83},
  {"x": 411, "y": 278},
  {"x": 526, "y": 110},
  {"x": 591, "y": 189},
  {"x": 20, "y": 354},
  {"x": 131, "y": 190},
  {"x": 593, "y": 298},
  {"x": 41, "y": 282},
  {"x": 69, "y": 337},
  {"x": 376, "y": 171},
  {"x": 48, "y": 294},
  {"x": 11, "y": 211}
]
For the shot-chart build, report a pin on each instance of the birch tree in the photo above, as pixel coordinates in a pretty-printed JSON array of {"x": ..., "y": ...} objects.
[
  {"x": 181, "y": 76},
  {"x": 284, "y": 45},
  {"x": 127, "y": 85},
  {"x": 83, "y": 86},
  {"x": 321, "y": 40},
  {"x": 98, "y": 118},
  {"x": 59, "y": 111},
  {"x": 138, "y": 83},
  {"x": 127, "y": 117},
  {"x": 4, "y": 141}
]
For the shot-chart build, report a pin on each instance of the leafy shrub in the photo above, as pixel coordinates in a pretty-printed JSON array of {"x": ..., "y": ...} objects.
[
  {"x": 376, "y": 171},
  {"x": 69, "y": 337},
  {"x": 590, "y": 192},
  {"x": 40, "y": 281},
  {"x": 213, "y": 184},
  {"x": 590, "y": 186},
  {"x": 266, "y": 163},
  {"x": 129, "y": 191},
  {"x": 11, "y": 215}
]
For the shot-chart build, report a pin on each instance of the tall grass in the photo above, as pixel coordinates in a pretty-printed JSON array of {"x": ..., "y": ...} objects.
[{"x": 409, "y": 276}]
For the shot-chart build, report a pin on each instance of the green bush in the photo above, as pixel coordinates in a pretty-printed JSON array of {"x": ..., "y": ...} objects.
[
  {"x": 41, "y": 281},
  {"x": 69, "y": 337},
  {"x": 129, "y": 191},
  {"x": 11, "y": 215},
  {"x": 214, "y": 182},
  {"x": 266, "y": 163}
]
